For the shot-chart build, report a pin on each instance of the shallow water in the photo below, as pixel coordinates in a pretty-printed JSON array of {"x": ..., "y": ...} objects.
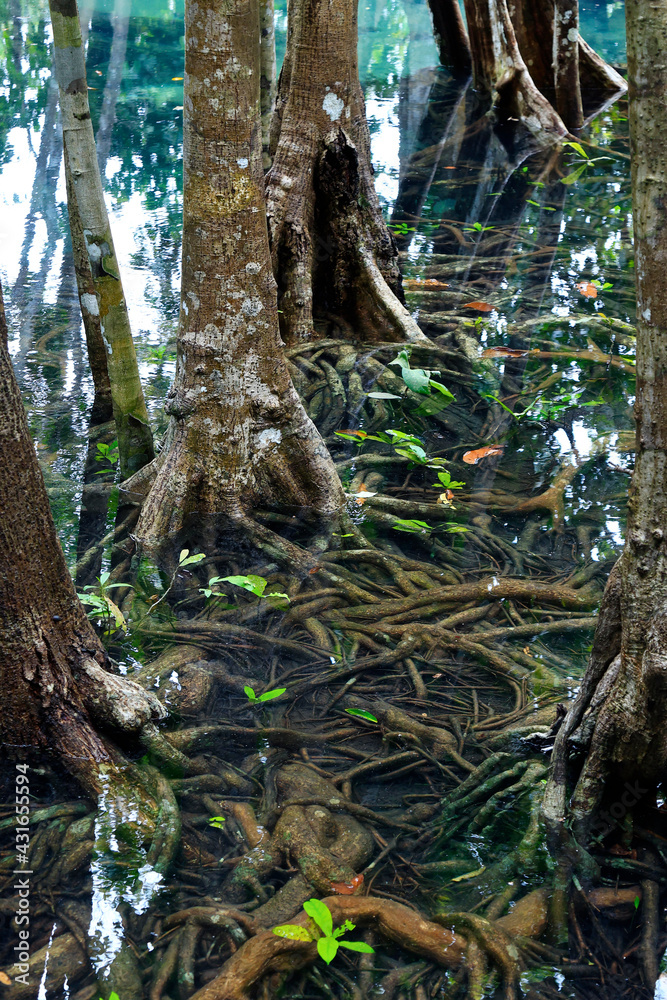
[{"x": 499, "y": 254}]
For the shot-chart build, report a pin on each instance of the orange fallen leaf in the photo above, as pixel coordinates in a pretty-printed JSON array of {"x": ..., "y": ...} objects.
[
  {"x": 4, "y": 979},
  {"x": 427, "y": 284},
  {"x": 446, "y": 498},
  {"x": 348, "y": 888},
  {"x": 473, "y": 457},
  {"x": 504, "y": 352},
  {"x": 587, "y": 289},
  {"x": 362, "y": 494},
  {"x": 484, "y": 307}
]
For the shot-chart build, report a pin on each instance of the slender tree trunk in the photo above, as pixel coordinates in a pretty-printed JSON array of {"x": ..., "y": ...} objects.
[
  {"x": 451, "y": 37},
  {"x": 332, "y": 252},
  {"x": 619, "y": 712},
  {"x": 239, "y": 436},
  {"x": 134, "y": 435},
  {"x": 54, "y": 688},
  {"x": 97, "y": 351},
  {"x": 566, "y": 63}
]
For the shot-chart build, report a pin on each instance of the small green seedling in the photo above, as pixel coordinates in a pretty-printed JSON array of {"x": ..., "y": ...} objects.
[
  {"x": 401, "y": 228},
  {"x": 217, "y": 822},
  {"x": 322, "y": 931},
  {"x": 447, "y": 481},
  {"x": 101, "y": 604},
  {"x": 419, "y": 379},
  {"x": 477, "y": 227},
  {"x": 361, "y": 713},
  {"x": 255, "y": 699},
  {"x": 106, "y": 453},
  {"x": 113, "y": 996}
]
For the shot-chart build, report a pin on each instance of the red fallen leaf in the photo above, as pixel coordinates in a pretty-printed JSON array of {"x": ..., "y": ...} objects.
[
  {"x": 357, "y": 433},
  {"x": 473, "y": 457},
  {"x": 587, "y": 289},
  {"x": 348, "y": 888},
  {"x": 484, "y": 307},
  {"x": 427, "y": 284},
  {"x": 622, "y": 852},
  {"x": 504, "y": 352}
]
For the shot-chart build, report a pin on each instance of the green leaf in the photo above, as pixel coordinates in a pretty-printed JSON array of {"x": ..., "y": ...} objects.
[
  {"x": 191, "y": 560},
  {"x": 255, "y": 584},
  {"x": 410, "y": 524},
  {"x": 327, "y": 947},
  {"x": 578, "y": 148},
  {"x": 441, "y": 388},
  {"x": 402, "y": 359},
  {"x": 361, "y": 946},
  {"x": 401, "y": 436},
  {"x": 344, "y": 928},
  {"x": 250, "y": 693},
  {"x": 321, "y": 914},
  {"x": 573, "y": 177},
  {"x": 416, "y": 379},
  {"x": 377, "y": 395},
  {"x": 293, "y": 932},
  {"x": 216, "y": 822},
  {"x": 270, "y": 695},
  {"x": 455, "y": 529},
  {"x": 358, "y": 437},
  {"x": 361, "y": 713}
]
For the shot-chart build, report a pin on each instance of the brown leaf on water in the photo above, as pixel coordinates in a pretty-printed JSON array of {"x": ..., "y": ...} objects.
[
  {"x": 473, "y": 457},
  {"x": 587, "y": 289},
  {"x": 424, "y": 284},
  {"x": 348, "y": 888},
  {"x": 504, "y": 352},
  {"x": 484, "y": 307}
]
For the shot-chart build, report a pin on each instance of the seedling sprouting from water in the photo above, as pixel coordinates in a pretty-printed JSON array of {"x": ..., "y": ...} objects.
[
  {"x": 321, "y": 930},
  {"x": 256, "y": 699},
  {"x": 216, "y": 822}
]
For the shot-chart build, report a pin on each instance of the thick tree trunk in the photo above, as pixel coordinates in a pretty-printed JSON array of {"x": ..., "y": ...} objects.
[
  {"x": 135, "y": 440},
  {"x": 619, "y": 713},
  {"x": 500, "y": 72},
  {"x": 54, "y": 687},
  {"x": 332, "y": 251},
  {"x": 239, "y": 436},
  {"x": 451, "y": 37}
]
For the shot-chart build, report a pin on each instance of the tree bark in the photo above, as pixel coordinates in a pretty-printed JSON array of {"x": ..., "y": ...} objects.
[
  {"x": 451, "y": 37},
  {"x": 620, "y": 710},
  {"x": 135, "y": 440},
  {"x": 332, "y": 251},
  {"x": 239, "y": 436},
  {"x": 566, "y": 63},
  {"x": 54, "y": 688}
]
